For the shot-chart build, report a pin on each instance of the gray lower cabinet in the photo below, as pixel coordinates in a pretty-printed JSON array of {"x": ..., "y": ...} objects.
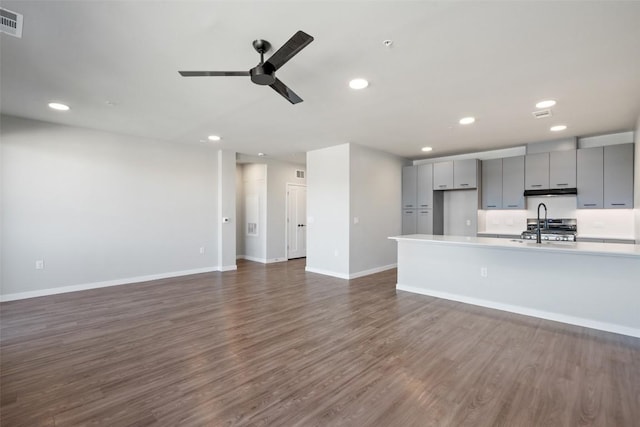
[
  {"x": 409, "y": 186},
  {"x": 425, "y": 221},
  {"x": 590, "y": 178},
  {"x": 513, "y": 182},
  {"x": 425, "y": 186},
  {"x": 409, "y": 221},
  {"x": 492, "y": 184},
  {"x": 536, "y": 171},
  {"x": 443, "y": 175},
  {"x": 618, "y": 176},
  {"x": 562, "y": 169}
]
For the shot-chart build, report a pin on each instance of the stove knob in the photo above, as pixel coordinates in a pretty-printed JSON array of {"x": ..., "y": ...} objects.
[
  {"x": 558, "y": 238},
  {"x": 545, "y": 238}
]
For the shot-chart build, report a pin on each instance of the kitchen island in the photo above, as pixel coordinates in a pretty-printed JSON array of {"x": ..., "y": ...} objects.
[{"x": 596, "y": 285}]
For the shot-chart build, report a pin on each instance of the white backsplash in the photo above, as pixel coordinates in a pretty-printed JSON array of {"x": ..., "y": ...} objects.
[{"x": 594, "y": 223}]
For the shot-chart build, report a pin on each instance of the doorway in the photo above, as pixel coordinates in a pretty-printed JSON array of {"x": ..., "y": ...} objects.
[{"x": 296, "y": 234}]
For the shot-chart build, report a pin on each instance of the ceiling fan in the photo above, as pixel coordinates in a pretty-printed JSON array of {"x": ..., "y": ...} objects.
[{"x": 265, "y": 72}]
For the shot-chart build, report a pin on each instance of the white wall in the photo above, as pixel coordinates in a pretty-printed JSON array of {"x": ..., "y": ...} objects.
[
  {"x": 255, "y": 210},
  {"x": 376, "y": 182},
  {"x": 277, "y": 175},
  {"x": 636, "y": 196},
  {"x": 99, "y": 207},
  {"x": 226, "y": 210},
  {"x": 240, "y": 222},
  {"x": 328, "y": 210}
]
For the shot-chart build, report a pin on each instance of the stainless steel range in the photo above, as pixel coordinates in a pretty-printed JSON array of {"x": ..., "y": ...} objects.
[{"x": 562, "y": 229}]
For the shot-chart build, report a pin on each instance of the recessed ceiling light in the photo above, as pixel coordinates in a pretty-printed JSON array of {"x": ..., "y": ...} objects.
[
  {"x": 558, "y": 128},
  {"x": 467, "y": 120},
  {"x": 214, "y": 138},
  {"x": 427, "y": 148},
  {"x": 387, "y": 42},
  {"x": 58, "y": 106},
  {"x": 261, "y": 154},
  {"x": 358, "y": 84},
  {"x": 546, "y": 103}
]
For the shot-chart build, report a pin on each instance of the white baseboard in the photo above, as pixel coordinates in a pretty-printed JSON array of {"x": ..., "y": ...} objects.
[
  {"x": 563, "y": 318},
  {"x": 352, "y": 275},
  {"x": 326, "y": 272},
  {"x": 104, "y": 284},
  {"x": 372, "y": 271},
  {"x": 228, "y": 268},
  {"x": 262, "y": 260}
]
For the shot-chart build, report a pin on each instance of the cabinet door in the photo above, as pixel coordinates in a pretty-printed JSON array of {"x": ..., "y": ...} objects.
[
  {"x": 409, "y": 223},
  {"x": 465, "y": 173},
  {"x": 590, "y": 178},
  {"x": 618, "y": 176},
  {"x": 425, "y": 221},
  {"x": 492, "y": 184},
  {"x": 536, "y": 171},
  {"x": 409, "y": 189},
  {"x": 513, "y": 183},
  {"x": 425, "y": 186},
  {"x": 562, "y": 169},
  {"x": 443, "y": 175}
]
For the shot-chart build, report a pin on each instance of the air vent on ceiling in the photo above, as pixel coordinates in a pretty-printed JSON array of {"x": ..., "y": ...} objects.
[
  {"x": 299, "y": 174},
  {"x": 10, "y": 23},
  {"x": 541, "y": 114}
]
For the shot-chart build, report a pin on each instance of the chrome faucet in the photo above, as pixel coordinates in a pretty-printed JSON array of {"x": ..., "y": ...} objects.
[{"x": 546, "y": 225}]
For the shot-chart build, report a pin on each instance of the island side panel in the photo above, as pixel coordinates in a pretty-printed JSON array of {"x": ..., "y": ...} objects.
[{"x": 601, "y": 292}]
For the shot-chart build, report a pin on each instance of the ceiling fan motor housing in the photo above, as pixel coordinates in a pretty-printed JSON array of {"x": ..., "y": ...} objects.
[{"x": 263, "y": 74}]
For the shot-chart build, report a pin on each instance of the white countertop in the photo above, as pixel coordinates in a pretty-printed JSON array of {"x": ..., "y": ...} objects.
[{"x": 587, "y": 248}]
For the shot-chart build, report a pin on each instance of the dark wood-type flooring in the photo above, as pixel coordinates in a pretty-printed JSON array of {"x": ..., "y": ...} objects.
[{"x": 273, "y": 345}]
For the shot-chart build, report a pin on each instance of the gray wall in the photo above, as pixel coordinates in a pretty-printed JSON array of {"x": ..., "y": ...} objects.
[
  {"x": 328, "y": 210},
  {"x": 226, "y": 210},
  {"x": 97, "y": 206},
  {"x": 376, "y": 182},
  {"x": 240, "y": 223}
]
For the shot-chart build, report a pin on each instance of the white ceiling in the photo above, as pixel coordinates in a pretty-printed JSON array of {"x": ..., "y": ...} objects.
[{"x": 491, "y": 60}]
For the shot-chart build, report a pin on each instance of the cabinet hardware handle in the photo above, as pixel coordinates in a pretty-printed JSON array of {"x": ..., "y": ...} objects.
[
  {"x": 463, "y": 185},
  {"x": 589, "y": 204},
  {"x": 442, "y": 185},
  {"x": 618, "y": 204},
  {"x": 563, "y": 184},
  {"x": 491, "y": 206},
  {"x": 536, "y": 185},
  {"x": 424, "y": 206},
  {"x": 409, "y": 206},
  {"x": 512, "y": 206}
]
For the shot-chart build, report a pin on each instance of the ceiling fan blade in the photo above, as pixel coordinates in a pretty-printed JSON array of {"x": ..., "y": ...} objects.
[
  {"x": 291, "y": 48},
  {"x": 283, "y": 90},
  {"x": 212, "y": 73}
]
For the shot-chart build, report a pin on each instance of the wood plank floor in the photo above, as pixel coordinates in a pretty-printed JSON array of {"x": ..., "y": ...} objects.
[{"x": 273, "y": 345}]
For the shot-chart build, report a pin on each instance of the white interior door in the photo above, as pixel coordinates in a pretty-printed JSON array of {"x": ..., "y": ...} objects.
[{"x": 296, "y": 221}]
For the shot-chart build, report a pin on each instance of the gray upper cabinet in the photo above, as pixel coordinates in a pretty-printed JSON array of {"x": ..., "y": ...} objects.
[
  {"x": 618, "y": 176},
  {"x": 465, "y": 173},
  {"x": 443, "y": 175},
  {"x": 492, "y": 184},
  {"x": 409, "y": 186},
  {"x": 590, "y": 178},
  {"x": 562, "y": 169},
  {"x": 513, "y": 182},
  {"x": 536, "y": 171},
  {"x": 425, "y": 186}
]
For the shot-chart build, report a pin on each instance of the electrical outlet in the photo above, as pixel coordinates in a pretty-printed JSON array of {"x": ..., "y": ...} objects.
[
  {"x": 468, "y": 222},
  {"x": 484, "y": 272},
  {"x": 336, "y": 253},
  {"x": 202, "y": 250},
  {"x": 39, "y": 264}
]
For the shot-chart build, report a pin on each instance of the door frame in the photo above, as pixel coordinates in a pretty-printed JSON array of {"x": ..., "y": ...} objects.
[{"x": 286, "y": 217}]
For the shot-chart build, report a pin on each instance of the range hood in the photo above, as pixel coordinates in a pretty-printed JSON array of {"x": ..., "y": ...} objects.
[{"x": 551, "y": 192}]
